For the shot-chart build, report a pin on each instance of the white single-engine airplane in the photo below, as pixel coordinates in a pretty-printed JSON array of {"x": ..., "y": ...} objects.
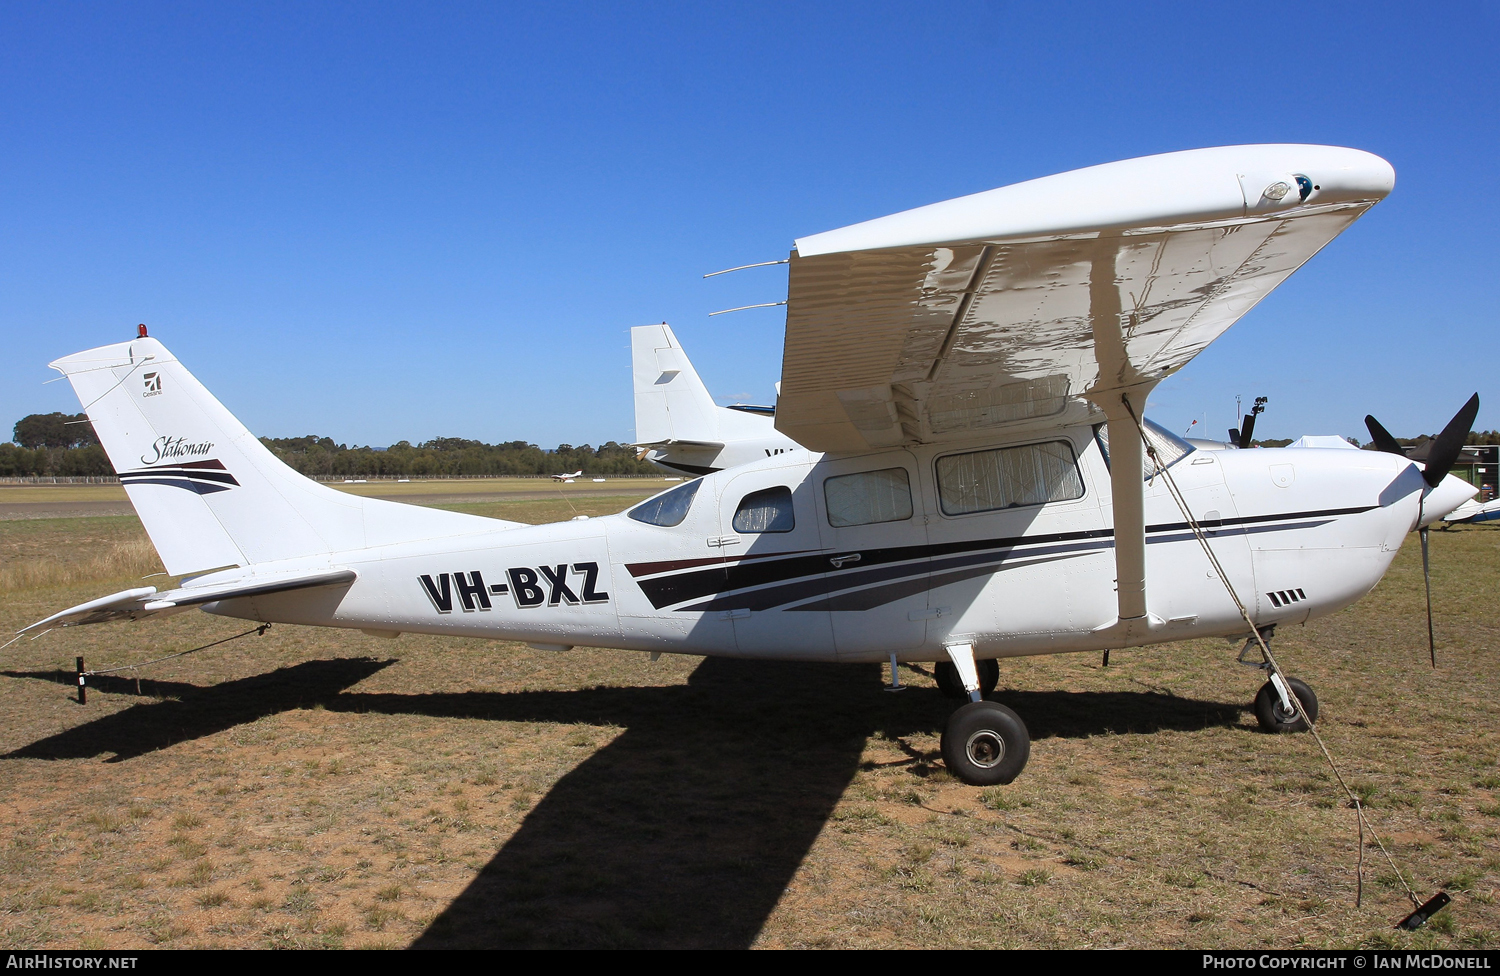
[
  {"x": 966, "y": 382},
  {"x": 568, "y": 479},
  {"x": 677, "y": 424}
]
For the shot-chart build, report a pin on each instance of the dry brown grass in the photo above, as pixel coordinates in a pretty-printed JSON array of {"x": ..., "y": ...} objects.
[
  {"x": 112, "y": 561},
  {"x": 45, "y": 554},
  {"x": 318, "y": 788}
]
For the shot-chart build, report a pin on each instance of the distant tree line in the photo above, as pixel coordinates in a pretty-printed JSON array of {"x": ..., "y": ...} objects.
[
  {"x": 313, "y": 455},
  {"x": 63, "y": 445}
]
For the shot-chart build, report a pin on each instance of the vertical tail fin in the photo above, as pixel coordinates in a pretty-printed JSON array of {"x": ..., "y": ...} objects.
[
  {"x": 671, "y": 402},
  {"x": 208, "y": 493}
]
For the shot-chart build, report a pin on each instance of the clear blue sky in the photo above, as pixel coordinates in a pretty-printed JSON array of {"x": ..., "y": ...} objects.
[{"x": 385, "y": 222}]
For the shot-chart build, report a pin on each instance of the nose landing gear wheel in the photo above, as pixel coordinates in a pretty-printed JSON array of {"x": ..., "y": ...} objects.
[
  {"x": 986, "y": 743},
  {"x": 952, "y": 686},
  {"x": 1274, "y": 716}
]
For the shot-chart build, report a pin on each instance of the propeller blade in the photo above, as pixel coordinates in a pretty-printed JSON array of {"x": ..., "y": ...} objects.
[
  {"x": 1382, "y": 437},
  {"x": 1427, "y": 581},
  {"x": 1446, "y": 447},
  {"x": 1247, "y": 428},
  {"x": 1234, "y": 436}
]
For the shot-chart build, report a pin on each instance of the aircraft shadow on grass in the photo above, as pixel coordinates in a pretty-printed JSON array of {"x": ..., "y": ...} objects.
[
  {"x": 685, "y": 830},
  {"x": 179, "y": 712}
]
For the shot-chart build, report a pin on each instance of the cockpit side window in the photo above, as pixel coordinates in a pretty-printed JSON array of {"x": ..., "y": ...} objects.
[
  {"x": 669, "y": 508},
  {"x": 1168, "y": 446},
  {"x": 768, "y": 510}
]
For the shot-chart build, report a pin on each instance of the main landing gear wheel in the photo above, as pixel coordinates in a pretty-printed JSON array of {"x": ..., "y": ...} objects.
[
  {"x": 952, "y": 686},
  {"x": 1274, "y": 716},
  {"x": 986, "y": 743}
]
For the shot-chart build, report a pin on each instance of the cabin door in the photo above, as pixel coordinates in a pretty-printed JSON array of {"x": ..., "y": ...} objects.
[{"x": 873, "y": 526}]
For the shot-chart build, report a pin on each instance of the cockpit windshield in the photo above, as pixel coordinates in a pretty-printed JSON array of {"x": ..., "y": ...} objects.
[
  {"x": 1168, "y": 447},
  {"x": 669, "y": 508}
]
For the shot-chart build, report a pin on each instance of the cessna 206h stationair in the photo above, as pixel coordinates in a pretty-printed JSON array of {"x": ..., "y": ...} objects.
[{"x": 966, "y": 383}]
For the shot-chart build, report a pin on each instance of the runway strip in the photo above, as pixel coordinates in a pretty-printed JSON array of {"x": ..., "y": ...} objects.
[{"x": 96, "y": 501}]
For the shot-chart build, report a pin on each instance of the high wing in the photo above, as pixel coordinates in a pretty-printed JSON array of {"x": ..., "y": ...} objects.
[
  {"x": 1034, "y": 304},
  {"x": 1059, "y": 301},
  {"x": 145, "y": 601}
]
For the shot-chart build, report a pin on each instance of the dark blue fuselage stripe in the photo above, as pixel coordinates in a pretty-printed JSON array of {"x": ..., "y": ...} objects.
[
  {"x": 816, "y": 586},
  {"x": 679, "y": 587},
  {"x": 875, "y": 596},
  {"x": 817, "y": 579}
]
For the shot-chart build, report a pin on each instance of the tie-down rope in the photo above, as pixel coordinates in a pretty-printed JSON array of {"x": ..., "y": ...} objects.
[
  {"x": 1265, "y": 649},
  {"x": 126, "y": 667}
]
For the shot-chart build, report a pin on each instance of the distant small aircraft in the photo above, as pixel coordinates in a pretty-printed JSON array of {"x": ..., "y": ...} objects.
[
  {"x": 1472, "y": 511},
  {"x": 975, "y": 479},
  {"x": 568, "y": 478},
  {"x": 677, "y": 424}
]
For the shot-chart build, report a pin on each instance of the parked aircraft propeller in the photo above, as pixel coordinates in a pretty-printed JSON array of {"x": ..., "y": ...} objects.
[
  {"x": 1437, "y": 456},
  {"x": 1241, "y": 438}
]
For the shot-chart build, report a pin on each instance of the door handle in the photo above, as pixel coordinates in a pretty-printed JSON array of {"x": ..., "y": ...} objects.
[{"x": 839, "y": 562}]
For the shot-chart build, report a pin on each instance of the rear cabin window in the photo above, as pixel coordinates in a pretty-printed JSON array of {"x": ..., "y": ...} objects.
[
  {"x": 1008, "y": 477},
  {"x": 868, "y": 497},
  {"x": 669, "y": 508},
  {"x": 769, "y": 510}
]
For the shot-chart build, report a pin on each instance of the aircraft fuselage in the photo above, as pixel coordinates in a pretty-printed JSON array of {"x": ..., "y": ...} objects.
[{"x": 820, "y": 557}]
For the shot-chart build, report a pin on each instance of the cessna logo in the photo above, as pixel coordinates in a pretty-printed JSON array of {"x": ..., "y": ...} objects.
[
  {"x": 527, "y": 586},
  {"x": 172, "y": 448},
  {"x": 153, "y": 384}
]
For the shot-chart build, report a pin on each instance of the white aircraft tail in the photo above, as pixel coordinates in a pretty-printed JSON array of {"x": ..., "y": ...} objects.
[
  {"x": 671, "y": 402},
  {"x": 209, "y": 494}
]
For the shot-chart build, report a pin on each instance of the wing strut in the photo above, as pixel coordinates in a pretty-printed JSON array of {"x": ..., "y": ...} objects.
[
  {"x": 1121, "y": 392},
  {"x": 1127, "y": 488}
]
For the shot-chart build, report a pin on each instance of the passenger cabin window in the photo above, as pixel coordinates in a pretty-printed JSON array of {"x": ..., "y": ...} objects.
[
  {"x": 868, "y": 497},
  {"x": 1168, "y": 446},
  {"x": 669, "y": 508},
  {"x": 1008, "y": 477},
  {"x": 769, "y": 510}
]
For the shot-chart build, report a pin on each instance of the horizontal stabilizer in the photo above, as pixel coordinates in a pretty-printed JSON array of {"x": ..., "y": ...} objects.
[
  {"x": 675, "y": 442},
  {"x": 145, "y": 601}
]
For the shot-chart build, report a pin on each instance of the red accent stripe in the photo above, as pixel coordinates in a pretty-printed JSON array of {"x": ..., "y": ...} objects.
[{"x": 647, "y": 569}]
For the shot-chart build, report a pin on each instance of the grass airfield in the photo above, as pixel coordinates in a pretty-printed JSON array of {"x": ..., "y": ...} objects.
[{"x": 324, "y": 788}]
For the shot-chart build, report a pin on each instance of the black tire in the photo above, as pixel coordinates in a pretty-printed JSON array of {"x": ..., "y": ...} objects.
[
  {"x": 989, "y": 674},
  {"x": 986, "y": 743},
  {"x": 952, "y": 686},
  {"x": 1273, "y": 716}
]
